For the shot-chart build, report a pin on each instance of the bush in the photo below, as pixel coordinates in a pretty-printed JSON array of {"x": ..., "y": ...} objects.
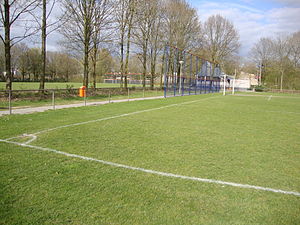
[{"x": 259, "y": 88}]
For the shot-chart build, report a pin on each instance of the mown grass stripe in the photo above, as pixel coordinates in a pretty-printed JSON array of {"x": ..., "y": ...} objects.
[{"x": 247, "y": 186}]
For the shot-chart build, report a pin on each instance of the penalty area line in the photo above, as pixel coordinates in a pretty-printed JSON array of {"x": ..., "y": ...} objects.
[{"x": 198, "y": 179}]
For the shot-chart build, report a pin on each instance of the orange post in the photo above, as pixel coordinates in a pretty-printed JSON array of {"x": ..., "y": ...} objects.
[{"x": 82, "y": 91}]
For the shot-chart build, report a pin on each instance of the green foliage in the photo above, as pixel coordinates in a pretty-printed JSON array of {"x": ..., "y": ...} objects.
[{"x": 259, "y": 88}]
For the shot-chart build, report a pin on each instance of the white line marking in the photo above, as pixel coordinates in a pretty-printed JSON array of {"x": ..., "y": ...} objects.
[
  {"x": 282, "y": 112},
  {"x": 247, "y": 186},
  {"x": 119, "y": 116},
  {"x": 270, "y": 98},
  {"x": 33, "y": 138},
  {"x": 275, "y": 96}
]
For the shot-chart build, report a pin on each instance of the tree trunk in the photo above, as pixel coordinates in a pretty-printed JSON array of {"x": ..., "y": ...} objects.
[
  {"x": 86, "y": 55},
  {"x": 162, "y": 69},
  {"x": 144, "y": 64},
  {"x": 122, "y": 58},
  {"x": 128, "y": 40},
  {"x": 94, "y": 65},
  {"x": 7, "y": 46},
  {"x": 44, "y": 36},
  {"x": 281, "y": 81}
]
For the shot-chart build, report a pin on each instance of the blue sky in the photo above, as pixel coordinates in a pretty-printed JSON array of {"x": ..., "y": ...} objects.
[{"x": 253, "y": 18}]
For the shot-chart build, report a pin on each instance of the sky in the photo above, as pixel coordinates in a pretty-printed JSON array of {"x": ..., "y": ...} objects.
[{"x": 254, "y": 18}]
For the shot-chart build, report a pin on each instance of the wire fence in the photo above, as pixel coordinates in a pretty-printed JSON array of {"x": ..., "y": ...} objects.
[
  {"x": 20, "y": 99},
  {"x": 186, "y": 73}
]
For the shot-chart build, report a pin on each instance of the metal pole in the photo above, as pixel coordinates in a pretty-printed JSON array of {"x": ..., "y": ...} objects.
[
  {"x": 191, "y": 71},
  {"x": 196, "y": 77},
  {"x": 180, "y": 76},
  {"x": 9, "y": 102},
  {"x": 166, "y": 70},
  {"x": 260, "y": 74},
  {"x": 175, "y": 75},
  {"x": 53, "y": 100},
  {"x": 233, "y": 84},
  {"x": 224, "y": 84}
]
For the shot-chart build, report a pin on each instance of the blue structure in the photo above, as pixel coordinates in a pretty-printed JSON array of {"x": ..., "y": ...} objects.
[{"x": 189, "y": 74}]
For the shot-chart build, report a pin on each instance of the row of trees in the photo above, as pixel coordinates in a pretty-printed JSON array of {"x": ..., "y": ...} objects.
[
  {"x": 26, "y": 64},
  {"x": 130, "y": 29},
  {"x": 278, "y": 61}
]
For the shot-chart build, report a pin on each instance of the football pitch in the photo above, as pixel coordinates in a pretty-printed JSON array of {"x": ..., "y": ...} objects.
[{"x": 206, "y": 159}]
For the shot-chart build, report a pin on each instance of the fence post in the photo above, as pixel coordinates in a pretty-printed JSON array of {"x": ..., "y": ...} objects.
[
  {"x": 9, "y": 102},
  {"x": 53, "y": 100}
]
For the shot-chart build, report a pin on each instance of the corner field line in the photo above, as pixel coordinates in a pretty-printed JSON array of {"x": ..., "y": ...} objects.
[
  {"x": 119, "y": 116},
  {"x": 198, "y": 179}
]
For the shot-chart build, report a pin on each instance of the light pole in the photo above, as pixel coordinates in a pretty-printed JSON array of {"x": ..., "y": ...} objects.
[
  {"x": 233, "y": 85},
  {"x": 180, "y": 62},
  {"x": 224, "y": 84}
]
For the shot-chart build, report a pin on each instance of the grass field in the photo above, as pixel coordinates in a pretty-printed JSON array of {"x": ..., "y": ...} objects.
[
  {"x": 54, "y": 85},
  {"x": 240, "y": 139}
]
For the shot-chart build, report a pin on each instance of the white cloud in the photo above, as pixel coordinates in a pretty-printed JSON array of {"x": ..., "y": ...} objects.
[
  {"x": 288, "y": 2},
  {"x": 252, "y": 24}
]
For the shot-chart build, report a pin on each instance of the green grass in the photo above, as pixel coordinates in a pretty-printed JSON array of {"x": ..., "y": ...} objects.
[
  {"x": 246, "y": 140},
  {"x": 55, "y": 85}
]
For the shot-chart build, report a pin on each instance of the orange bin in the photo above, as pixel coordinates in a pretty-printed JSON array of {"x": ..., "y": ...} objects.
[{"x": 82, "y": 91}]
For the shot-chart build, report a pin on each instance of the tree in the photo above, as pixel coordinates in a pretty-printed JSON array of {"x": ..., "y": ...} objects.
[
  {"x": 124, "y": 14},
  {"x": 294, "y": 42},
  {"x": 281, "y": 55},
  {"x": 220, "y": 38},
  {"x": 105, "y": 63},
  {"x": 146, "y": 31},
  {"x": 79, "y": 27},
  {"x": 34, "y": 58},
  {"x": 101, "y": 32},
  {"x": 44, "y": 34},
  {"x": 181, "y": 29},
  {"x": 15, "y": 12},
  {"x": 23, "y": 62},
  {"x": 279, "y": 60}
]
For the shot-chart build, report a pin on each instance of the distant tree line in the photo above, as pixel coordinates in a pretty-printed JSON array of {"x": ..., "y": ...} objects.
[
  {"x": 278, "y": 61},
  {"x": 101, "y": 36}
]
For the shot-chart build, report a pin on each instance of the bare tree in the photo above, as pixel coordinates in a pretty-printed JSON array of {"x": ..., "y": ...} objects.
[
  {"x": 281, "y": 55},
  {"x": 78, "y": 29},
  {"x": 262, "y": 51},
  {"x": 124, "y": 14},
  {"x": 46, "y": 23},
  {"x": 15, "y": 13},
  {"x": 294, "y": 43},
  {"x": 102, "y": 32},
  {"x": 147, "y": 11},
  {"x": 220, "y": 38},
  {"x": 155, "y": 43},
  {"x": 181, "y": 28}
]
